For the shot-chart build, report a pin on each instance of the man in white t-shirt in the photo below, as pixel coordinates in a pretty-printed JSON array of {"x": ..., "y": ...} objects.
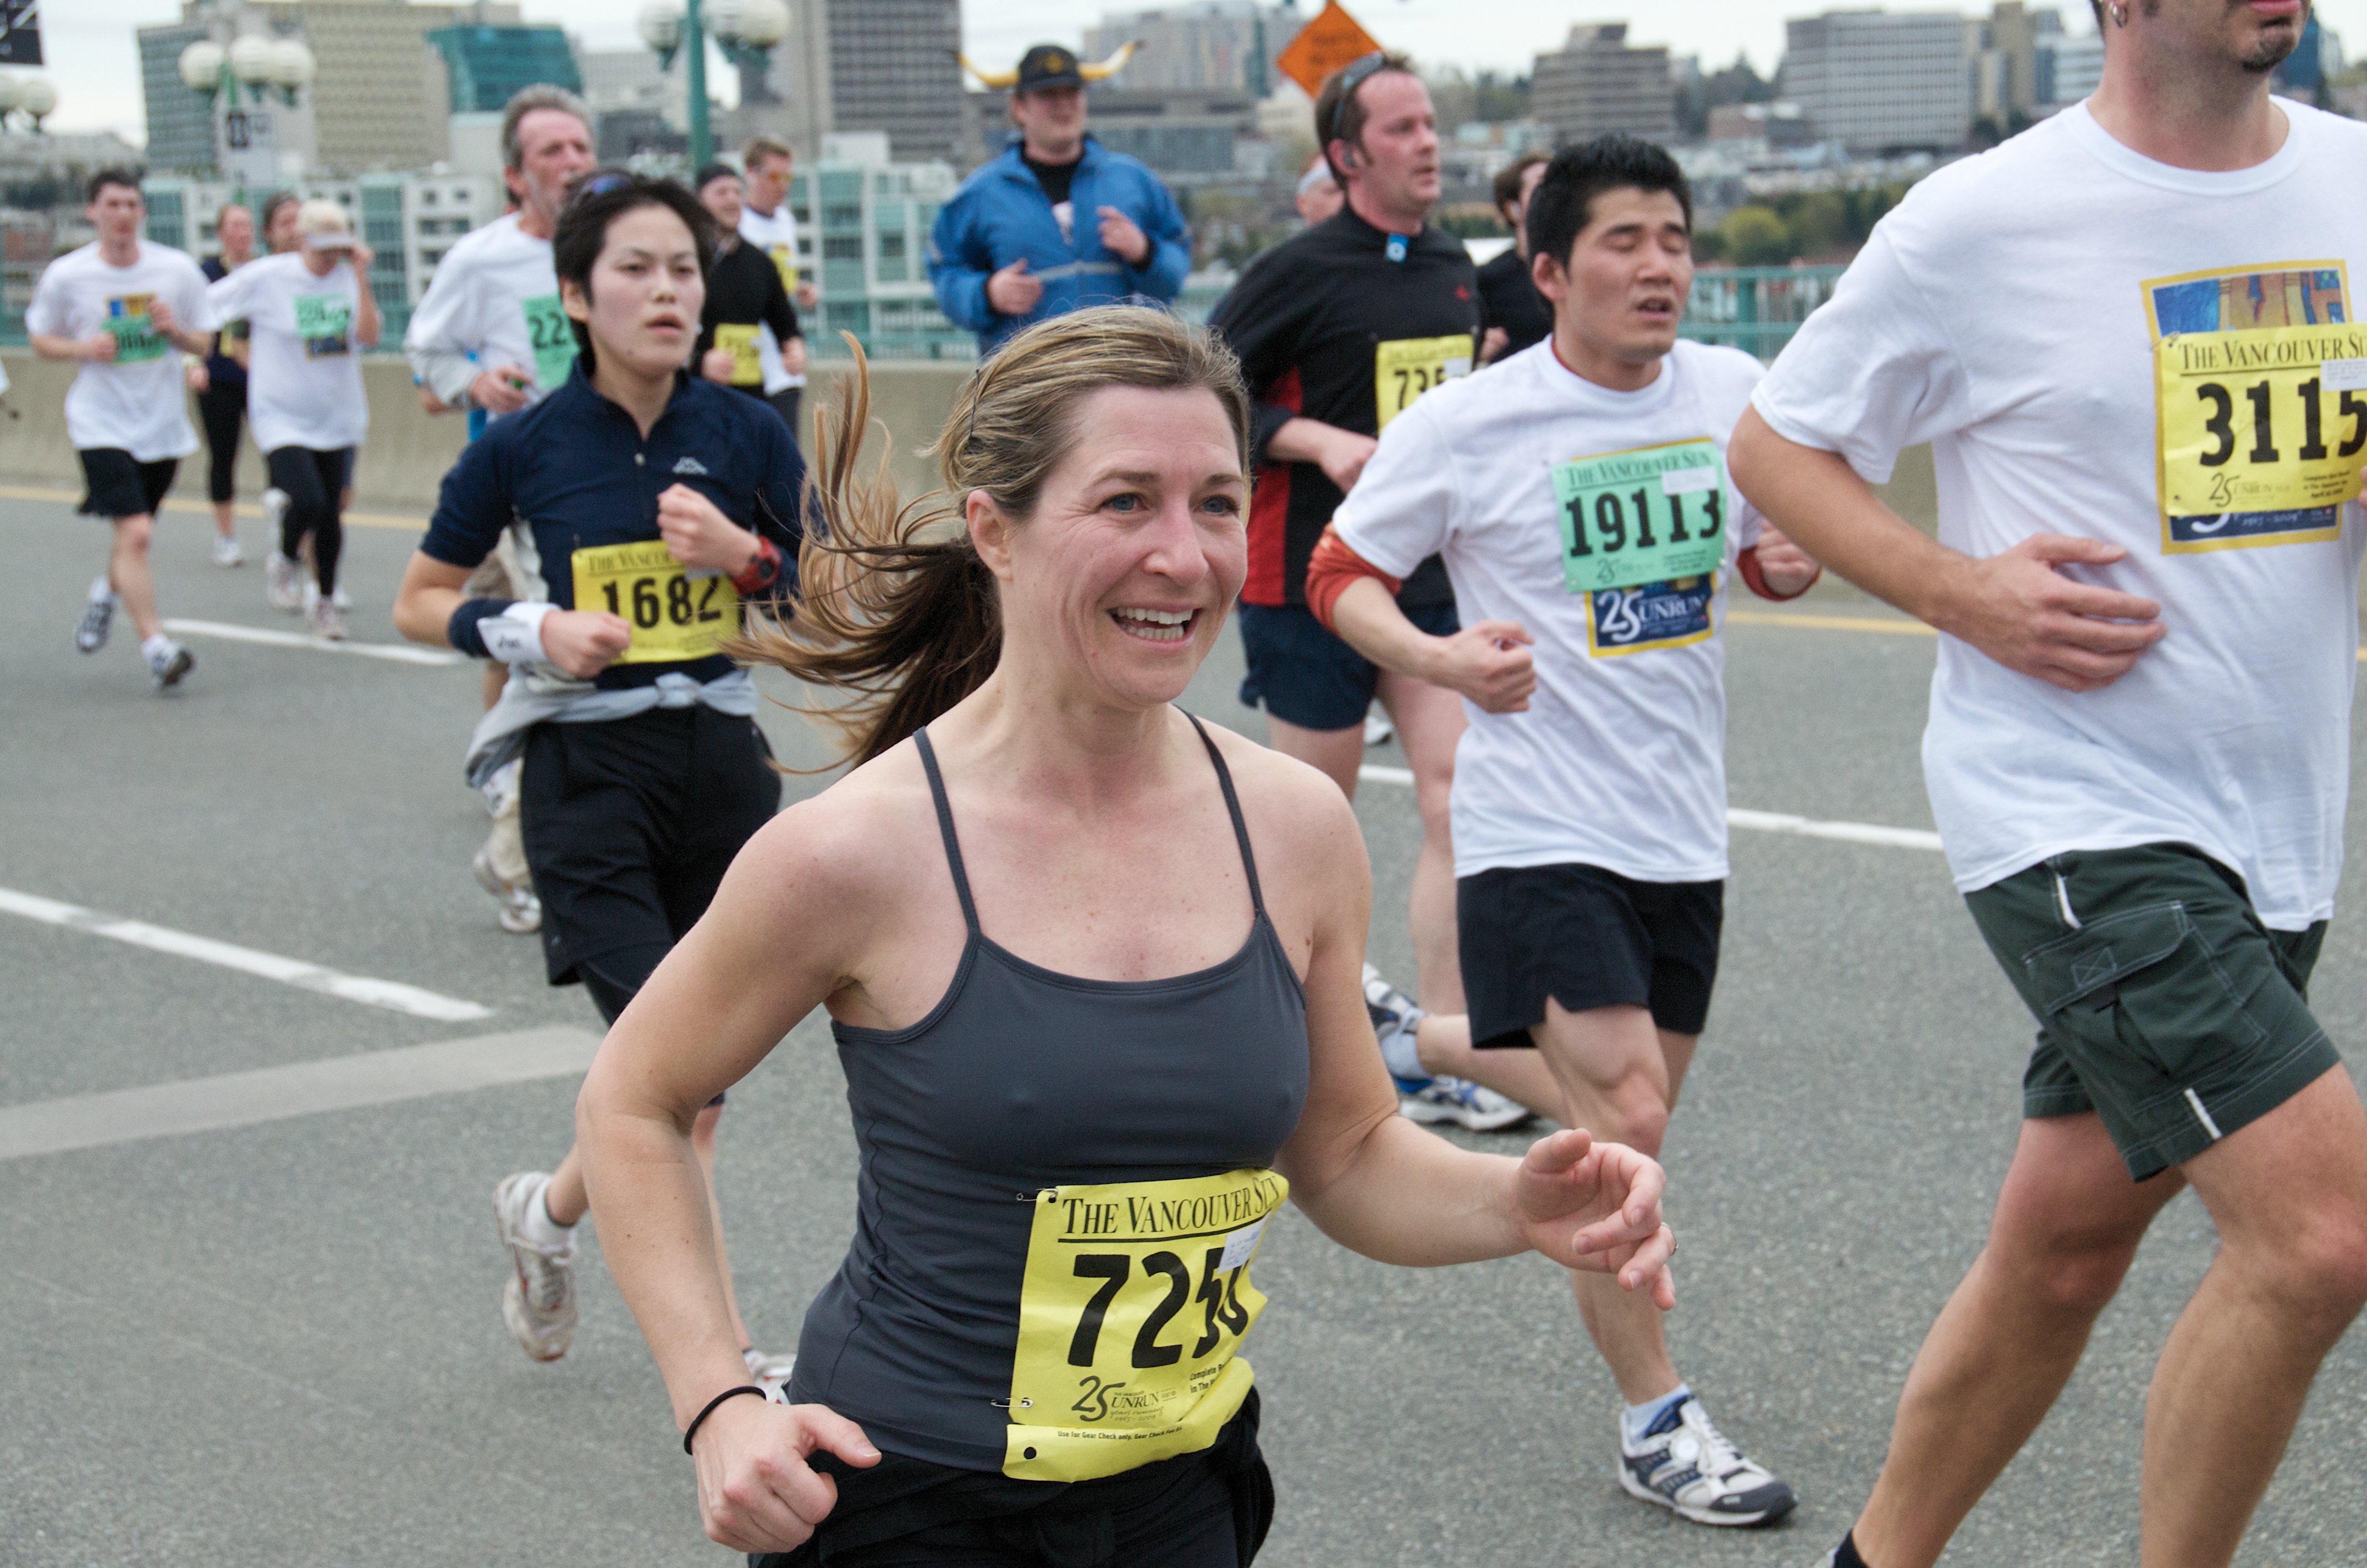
[
  {"x": 490, "y": 333},
  {"x": 767, "y": 222},
  {"x": 121, "y": 307},
  {"x": 490, "y": 336},
  {"x": 1577, "y": 495},
  {"x": 2128, "y": 334}
]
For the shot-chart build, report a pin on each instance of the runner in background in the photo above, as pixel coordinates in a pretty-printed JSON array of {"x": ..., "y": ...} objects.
[
  {"x": 1340, "y": 329},
  {"x": 659, "y": 504},
  {"x": 1319, "y": 198},
  {"x": 119, "y": 306},
  {"x": 767, "y": 222},
  {"x": 1056, "y": 221},
  {"x": 1579, "y": 498},
  {"x": 490, "y": 336},
  {"x": 2128, "y": 333},
  {"x": 310, "y": 314},
  {"x": 746, "y": 301},
  {"x": 220, "y": 381},
  {"x": 1513, "y": 314}
]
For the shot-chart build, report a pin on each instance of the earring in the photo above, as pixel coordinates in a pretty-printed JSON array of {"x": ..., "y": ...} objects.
[{"x": 2120, "y": 14}]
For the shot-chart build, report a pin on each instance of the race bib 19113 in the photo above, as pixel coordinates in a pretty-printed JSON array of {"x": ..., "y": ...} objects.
[
  {"x": 676, "y": 612},
  {"x": 1644, "y": 515},
  {"x": 1136, "y": 1297},
  {"x": 552, "y": 338},
  {"x": 2261, "y": 406},
  {"x": 1405, "y": 368}
]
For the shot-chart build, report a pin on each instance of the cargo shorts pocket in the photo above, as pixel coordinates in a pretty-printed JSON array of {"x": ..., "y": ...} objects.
[{"x": 2139, "y": 1004}]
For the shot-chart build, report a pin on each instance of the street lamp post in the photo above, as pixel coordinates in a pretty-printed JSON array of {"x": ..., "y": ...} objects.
[
  {"x": 32, "y": 97},
  {"x": 745, "y": 30},
  {"x": 263, "y": 66}
]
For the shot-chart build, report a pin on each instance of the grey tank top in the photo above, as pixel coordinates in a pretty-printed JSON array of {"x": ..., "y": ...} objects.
[{"x": 1019, "y": 1079}]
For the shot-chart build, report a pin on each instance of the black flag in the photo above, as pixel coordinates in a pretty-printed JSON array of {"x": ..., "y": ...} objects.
[{"x": 20, "y": 32}]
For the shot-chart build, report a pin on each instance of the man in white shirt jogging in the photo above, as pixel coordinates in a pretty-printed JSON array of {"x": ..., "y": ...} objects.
[
  {"x": 121, "y": 306},
  {"x": 767, "y": 223},
  {"x": 2128, "y": 334},
  {"x": 1576, "y": 496}
]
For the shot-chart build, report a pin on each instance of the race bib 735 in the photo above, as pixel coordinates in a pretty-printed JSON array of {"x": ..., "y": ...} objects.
[
  {"x": 1407, "y": 368},
  {"x": 1137, "y": 1296},
  {"x": 2260, "y": 405}
]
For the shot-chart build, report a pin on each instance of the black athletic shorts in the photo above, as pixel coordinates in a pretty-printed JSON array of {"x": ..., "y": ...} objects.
[
  {"x": 116, "y": 484},
  {"x": 1307, "y": 676},
  {"x": 629, "y": 825},
  {"x": 1588, "y": 938}
]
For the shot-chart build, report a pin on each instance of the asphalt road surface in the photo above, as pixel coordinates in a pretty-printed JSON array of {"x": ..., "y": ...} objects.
[{"x": 254, "y": 1320}]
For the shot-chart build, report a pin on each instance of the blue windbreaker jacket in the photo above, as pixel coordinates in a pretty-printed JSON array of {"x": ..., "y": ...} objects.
[{"x": 1001, "y": 214}]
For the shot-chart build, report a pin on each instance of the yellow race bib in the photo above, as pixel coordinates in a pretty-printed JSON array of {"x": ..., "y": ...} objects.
[
  {"x": 1405, "y": 368},
  {"x": 747, "y": 369},
  {"x": 1136, "y": 1297},
  {"x": 2260, "y": 405},
  {"x": 676, "y": 612},
  {"x": 786, "y": 264}
]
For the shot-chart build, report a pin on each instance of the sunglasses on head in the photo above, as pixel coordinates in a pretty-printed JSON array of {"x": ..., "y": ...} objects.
[
  {"x": 1353, "y": 75},
  {"x": 599, "y": 183}
]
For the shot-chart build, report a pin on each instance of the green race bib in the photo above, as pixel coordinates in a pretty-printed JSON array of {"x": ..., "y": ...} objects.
[
  {"x": 136, "y": 339},
  {"x": 553, "y": 337},
  {"x": 324, "y": 323},
  {"x": 1650, "y": 515}
]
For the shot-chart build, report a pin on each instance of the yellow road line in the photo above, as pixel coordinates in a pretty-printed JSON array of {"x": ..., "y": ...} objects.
[{"x": 244, "y": 508}]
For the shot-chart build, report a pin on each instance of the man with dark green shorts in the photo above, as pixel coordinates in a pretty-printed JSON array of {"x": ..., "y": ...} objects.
[{"x": 2127, "y": 334}]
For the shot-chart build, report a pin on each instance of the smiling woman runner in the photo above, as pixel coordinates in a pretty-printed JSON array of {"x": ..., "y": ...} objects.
[{"x": 1071, "y": 1144}]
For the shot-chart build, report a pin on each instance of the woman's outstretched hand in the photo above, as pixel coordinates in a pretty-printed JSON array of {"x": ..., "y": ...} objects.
[
  {"x": 756, "y": 1491},
  {"x": 1589, "y": 1205}
]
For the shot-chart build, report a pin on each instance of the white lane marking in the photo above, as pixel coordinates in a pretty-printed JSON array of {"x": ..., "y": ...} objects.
[
  {"x": 300, "y": 1088},
  {"x": 389, "y": 994},
  {"x": 399, "y": 653},
  {"x": 1757, "y": 821}
]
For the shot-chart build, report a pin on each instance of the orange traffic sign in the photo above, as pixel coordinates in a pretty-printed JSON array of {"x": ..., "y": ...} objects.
[{"x": 1322, "y": 46}]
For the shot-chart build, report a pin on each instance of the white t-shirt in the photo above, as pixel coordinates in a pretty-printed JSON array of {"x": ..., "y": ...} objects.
[
  {"x": 304, "y": 371},
  {"x": 1620, "y": 759},
  {"x": 2059, "y": 318},
  {"x": 776, "y": 236},
  {"x": 136, "y": 402},
  {"x": 496, "y": 296}
]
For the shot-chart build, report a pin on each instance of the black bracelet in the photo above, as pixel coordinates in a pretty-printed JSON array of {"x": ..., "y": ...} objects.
[{"x": 692, "y": 1431}]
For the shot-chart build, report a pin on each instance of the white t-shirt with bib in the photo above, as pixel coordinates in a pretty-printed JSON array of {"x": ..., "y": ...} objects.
[
  {"x": 496, "y": 296},
  {"x": 2101, "y": 345},
  {"x": 304, "y": 371},
  {"x": 136, "y": 402},
  {"x": 776, "y": 236},
  {"x": 1620, "y": 759}
]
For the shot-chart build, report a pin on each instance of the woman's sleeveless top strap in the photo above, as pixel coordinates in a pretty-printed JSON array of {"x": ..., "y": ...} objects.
[
  {"x": 1233, "y": 805},
  {"x": 953, "y": 844}
]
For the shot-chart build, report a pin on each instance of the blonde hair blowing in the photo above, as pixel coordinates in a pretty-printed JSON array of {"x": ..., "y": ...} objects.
[
  {"x": 319, "y": 215},
  {"x": 896, "y": 613}
]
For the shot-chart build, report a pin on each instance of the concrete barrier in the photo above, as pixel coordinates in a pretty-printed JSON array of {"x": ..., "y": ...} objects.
[{"x": 409, "y": 450}]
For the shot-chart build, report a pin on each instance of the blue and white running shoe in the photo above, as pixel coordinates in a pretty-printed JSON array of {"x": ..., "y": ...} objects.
[
  {"x": 1461, "y": 1101},
  {"x": 1686, "y": 1465}
]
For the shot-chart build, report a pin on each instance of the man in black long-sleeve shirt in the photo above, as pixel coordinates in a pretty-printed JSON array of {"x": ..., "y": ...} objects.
[
  {"x": 743, "y": 291},
  {"x": 1513, "y": 314}
]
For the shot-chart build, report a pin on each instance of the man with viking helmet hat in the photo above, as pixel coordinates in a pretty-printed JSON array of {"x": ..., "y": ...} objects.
[{"x": 1057, "y": 221}]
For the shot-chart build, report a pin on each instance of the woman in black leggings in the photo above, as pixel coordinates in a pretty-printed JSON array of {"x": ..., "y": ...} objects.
[{"x": 222, "y": 400}]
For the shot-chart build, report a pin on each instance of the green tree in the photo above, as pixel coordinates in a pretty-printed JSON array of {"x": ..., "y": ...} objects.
[
  {"x": 1755, "y": 236},
  {"x": 1816, "y": 221}
]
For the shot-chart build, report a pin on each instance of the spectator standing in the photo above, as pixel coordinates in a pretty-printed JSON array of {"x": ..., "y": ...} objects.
[
  {"x": 767, "y": 222},
  {"x": 1057, "y": 221},
  {"x": 219, "y": 382}
]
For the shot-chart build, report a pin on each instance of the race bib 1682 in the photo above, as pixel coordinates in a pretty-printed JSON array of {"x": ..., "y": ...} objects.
[{"x": 2260, "y": 405}]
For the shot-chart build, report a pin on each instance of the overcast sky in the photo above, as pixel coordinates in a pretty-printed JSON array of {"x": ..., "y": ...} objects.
[{"x": 95, "y": 64}]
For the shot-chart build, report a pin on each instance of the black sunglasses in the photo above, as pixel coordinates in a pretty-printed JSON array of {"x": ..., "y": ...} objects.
[{"x": 1353, "y": 75}]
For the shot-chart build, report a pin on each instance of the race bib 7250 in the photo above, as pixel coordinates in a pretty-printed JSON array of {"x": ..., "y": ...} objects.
[
  {"x": 2260, "y": 404},
  {"x": 1136, "y": 1297},
  {"x": 1407, "y": 368}
]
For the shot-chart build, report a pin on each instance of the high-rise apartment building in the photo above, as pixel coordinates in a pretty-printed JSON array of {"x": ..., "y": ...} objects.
[
  {"x": 1212, "y": 46},
  {"x": 1598, "y": 82},
  {"x": 486, "y": 64},
  {"x": 1880, "y": 81},
  {"x": 855, "y": 65}
]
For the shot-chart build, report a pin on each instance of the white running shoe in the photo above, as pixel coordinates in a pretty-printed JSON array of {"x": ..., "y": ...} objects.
[
  {"x": 1377, "y": 727},
  {"x": 1686, "y": 1465},
  {"x": 169, "y": 663},
  {"x": 769, "y": 1370},
  {"x": 1462, "y": 1102},
  {"x": 1396, "y": 1017},
  {"x": 521, "y": 907},
  {"x": 339, "y": 599},
  {"x": 538, "y": 1302},
  {"x": 275, "y": 509},
  {"x": 280, "y": 585},
  {"x": 325, "y": 619},
  {"x": 227, "y": 551},
  {"x": 97, "y": 617}
]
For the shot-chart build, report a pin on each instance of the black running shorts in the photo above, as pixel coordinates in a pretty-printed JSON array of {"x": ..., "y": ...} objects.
[
  {"x": 116, "y": 484},
  {"x": 2163, "y": 1004},
  {"x": 1588, "y": 938}
]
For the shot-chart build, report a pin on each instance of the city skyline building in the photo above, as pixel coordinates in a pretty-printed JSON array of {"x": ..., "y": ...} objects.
[
  {"x": 486, "y": 63},
  {"x": 1598, "y": 83},
  {"x": 1881, "y": 82},
  {"x": 856, "y": 65},
  {"x": 1209, "y": 46}
]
